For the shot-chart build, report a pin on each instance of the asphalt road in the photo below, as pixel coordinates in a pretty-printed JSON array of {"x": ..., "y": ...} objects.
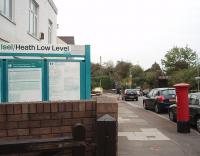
[{"x": 138, "y": 104}]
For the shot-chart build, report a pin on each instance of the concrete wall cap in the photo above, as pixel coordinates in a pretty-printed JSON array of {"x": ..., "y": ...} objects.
[{"x": 106, "y": 100}]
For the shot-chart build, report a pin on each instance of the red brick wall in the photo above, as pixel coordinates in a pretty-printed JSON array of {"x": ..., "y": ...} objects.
[
  {"x": 107, "y": 105},
  {"x": 45, "y": 120},
  {"x": 55, "y": 119}
]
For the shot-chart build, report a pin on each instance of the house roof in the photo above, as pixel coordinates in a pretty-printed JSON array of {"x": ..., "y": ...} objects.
[{"x": 67, "y": 39}]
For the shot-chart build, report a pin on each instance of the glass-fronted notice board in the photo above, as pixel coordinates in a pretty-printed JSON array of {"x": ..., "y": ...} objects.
[
  {"x": 64, "y": 81},
  {"x": 24, "y": 81}
]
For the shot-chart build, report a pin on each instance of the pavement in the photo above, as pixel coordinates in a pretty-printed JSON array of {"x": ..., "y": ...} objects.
[{"x": 144, "y": 133}]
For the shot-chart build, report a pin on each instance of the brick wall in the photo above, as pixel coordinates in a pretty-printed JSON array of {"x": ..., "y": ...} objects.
[
  {"x": 107, "y": 105},
  {"x": 49, "y": 120}
]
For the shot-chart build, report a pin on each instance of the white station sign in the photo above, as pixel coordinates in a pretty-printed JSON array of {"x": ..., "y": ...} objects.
[{"x": 43, "y": 49}]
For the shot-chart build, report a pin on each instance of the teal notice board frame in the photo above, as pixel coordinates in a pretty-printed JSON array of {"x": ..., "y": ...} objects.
[{"x": 43, "y": 64}]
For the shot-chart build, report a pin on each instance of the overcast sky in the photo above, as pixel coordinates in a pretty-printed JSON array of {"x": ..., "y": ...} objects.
[{"x": 138, "y": 31}]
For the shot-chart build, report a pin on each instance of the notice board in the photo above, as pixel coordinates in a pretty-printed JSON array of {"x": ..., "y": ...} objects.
[
  {"x": 64, "y": 81},
  {"x": 24, "y": 81}
]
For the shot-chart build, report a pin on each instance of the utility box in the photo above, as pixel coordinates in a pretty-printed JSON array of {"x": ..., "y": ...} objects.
[{"x": 106, "y": 136}]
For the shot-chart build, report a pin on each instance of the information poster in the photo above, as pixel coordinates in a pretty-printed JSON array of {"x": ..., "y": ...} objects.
[
  {"x": 64, "y": 81},
  {"x": 24, "y": 81}
]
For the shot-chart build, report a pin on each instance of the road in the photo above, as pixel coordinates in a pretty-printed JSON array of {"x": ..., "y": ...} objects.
[
  {"x": 138, "y": 104},
  {"x": 144, "y": 133}
]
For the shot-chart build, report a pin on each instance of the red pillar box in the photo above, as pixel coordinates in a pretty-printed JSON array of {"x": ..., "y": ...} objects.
[{"x": 183, "y": 118}]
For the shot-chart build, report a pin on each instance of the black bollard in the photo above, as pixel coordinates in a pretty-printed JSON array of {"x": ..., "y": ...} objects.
[
  {"x": 106, "y": 136},
  {"x": 78, "y": 133}
]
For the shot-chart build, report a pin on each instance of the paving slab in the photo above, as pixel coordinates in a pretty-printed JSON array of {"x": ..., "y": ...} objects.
[{"x": 143, "y": 133}]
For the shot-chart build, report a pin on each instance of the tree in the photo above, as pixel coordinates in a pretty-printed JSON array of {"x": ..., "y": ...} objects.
[
  {"x": 122, "y": 69},
  {"x": 96, "y": 69},
  {"x": 155, "y": 67},
  {"x": 179, "y": 58},
  {"x": 137, "y": 74},
  {"x": 102, "y": 75},
  {"x": 152, "y": 75},
  {"x": 150, "y": 78},
  {"x": 184, "y": 75}
]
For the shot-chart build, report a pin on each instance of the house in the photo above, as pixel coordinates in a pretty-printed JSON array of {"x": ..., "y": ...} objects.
[{"x": 28, "y": 21}]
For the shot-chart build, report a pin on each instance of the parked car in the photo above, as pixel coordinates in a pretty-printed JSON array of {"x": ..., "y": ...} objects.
[
  {"x": 97, "y": 91},
  {"x": 159, "y": 99},
  {"x": 194, "y": 108},
  {"x": 145, "y": 92},
  {"x": 138, "y": 92},
  {"x": 130, "y": 94}
]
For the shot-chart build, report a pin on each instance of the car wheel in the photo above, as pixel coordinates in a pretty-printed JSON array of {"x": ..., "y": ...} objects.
[
  {"x": 136, "y": 99},
  {"x": 157, "y": 109},
  {"x": 125, "y": 99},
  {"x": 171, "y": 115},
  {"x": 198, "y": 124},
  {"x": 144, "y": 105}
]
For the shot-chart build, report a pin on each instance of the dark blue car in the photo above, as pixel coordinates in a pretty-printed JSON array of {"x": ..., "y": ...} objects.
[{"x": 159, "y": 99}]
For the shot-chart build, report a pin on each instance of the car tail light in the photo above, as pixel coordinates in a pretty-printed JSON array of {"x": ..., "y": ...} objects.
[{"x": 161, "y": 99}]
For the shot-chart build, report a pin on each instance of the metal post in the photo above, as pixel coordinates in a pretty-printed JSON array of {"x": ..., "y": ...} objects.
[
  {"x": 106, "y": 136},
  {"x": 87, "y": 72}
]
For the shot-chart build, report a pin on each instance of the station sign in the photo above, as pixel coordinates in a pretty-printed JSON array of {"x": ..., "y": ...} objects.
[
  {"x": 32, "y": 77},
  {"x": 41, "y": 48}
]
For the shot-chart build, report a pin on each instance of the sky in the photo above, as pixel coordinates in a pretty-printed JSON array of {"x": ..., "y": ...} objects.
[{"x": 136, "y": 31}]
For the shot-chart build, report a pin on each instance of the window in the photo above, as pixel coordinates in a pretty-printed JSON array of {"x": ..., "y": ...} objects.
[
  {"x": 155, "y": 93},
  {"x": 193, "y": 99},
  {"x": 169, "y": 93},
  {"x": 151, "y": 93},
  {"x": 50, "y": 25},
  {"x": 33, "y": 18},
  {"x": 6, "y": 8}
]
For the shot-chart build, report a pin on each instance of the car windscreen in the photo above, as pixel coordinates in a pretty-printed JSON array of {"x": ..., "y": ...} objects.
[
  {"x": 169, "y": 93},
  {"x": 131, "y": 92}
]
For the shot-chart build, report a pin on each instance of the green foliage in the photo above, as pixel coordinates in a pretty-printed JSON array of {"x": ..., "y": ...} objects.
[
  {"x": 96, "y": 69},
  {"x": 137, "y": 74},
  {"x": 104, "y": 81},
  {"x": 155, "y": 67},
  {"x": 122, "y": 69},
  {"x": 179, "y": 65},
  {"x": 136, "y": 70},
  {"x": 150, "y": 78},
  {"x": 184, "y": 76},
  {"x": 178, "y": 59},
  {"x": 103, "y": 75}
]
